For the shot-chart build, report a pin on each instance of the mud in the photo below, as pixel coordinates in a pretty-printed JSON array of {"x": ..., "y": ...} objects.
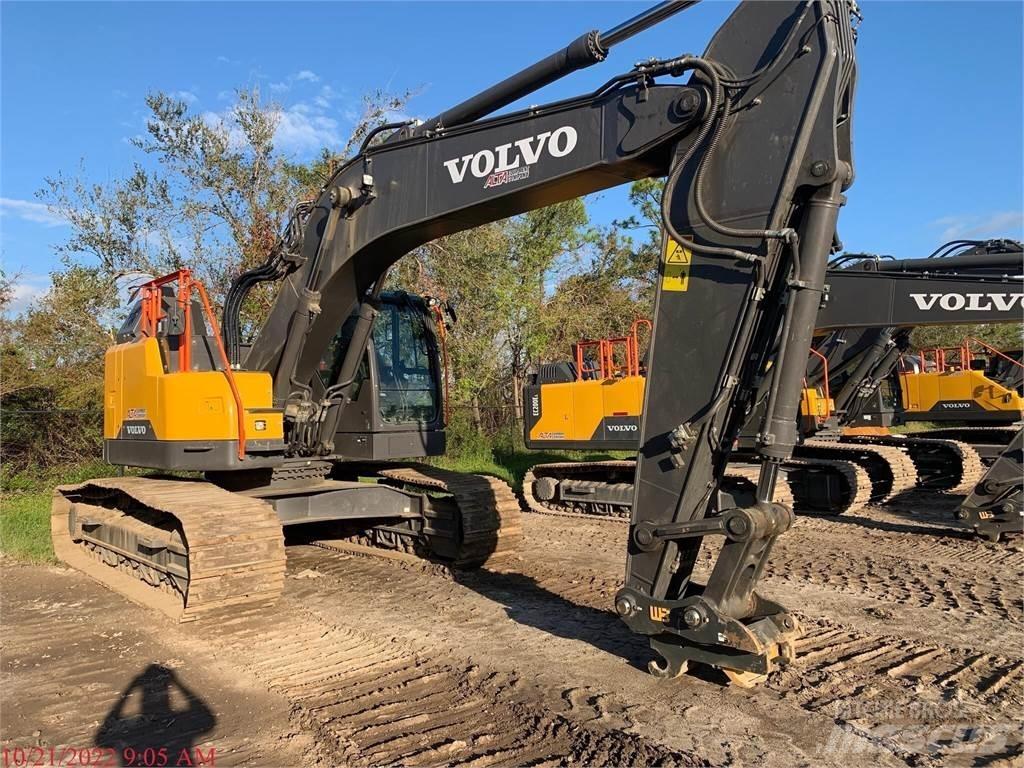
[{"x": 913, "y": 654}]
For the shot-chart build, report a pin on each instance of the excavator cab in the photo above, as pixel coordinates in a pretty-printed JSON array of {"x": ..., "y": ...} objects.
[{"x": 397, "y": 407}]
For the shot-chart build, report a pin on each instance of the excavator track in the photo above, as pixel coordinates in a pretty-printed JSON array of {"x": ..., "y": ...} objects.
[
  {"x": 952, "y": 466},
  {"x": 853, "y": 491},
  {"x": 737, "y": 475},
  {"x": 489, "y": 531},
  {"x": 987, "y": 441},
  {"x": 185, "y": 547},
  {"x": 811, "y": 485},
  {"x": 891, "y": 470}
]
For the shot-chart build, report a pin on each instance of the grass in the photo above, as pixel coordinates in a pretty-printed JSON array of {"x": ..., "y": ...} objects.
[
  {"x": 25, "y": 527},
  {"x": 25, "y": 507},
  {"x": 511, "y": 464},
  {"x": 915, "y": 426}
]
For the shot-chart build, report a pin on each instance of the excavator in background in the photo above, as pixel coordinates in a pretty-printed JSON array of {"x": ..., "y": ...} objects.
[
  {"x": 593, "y": 403},
  {"x": 302, "y": 425}
]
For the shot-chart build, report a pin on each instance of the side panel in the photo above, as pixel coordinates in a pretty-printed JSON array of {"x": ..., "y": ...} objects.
[
  {"x": 584, "y": 415},
  {"x": 194, "y": 405},
  {"x": 958, "y": 396}
]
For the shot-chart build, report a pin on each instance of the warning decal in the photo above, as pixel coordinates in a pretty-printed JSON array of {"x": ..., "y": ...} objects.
[{"x": 675, "y": 274}]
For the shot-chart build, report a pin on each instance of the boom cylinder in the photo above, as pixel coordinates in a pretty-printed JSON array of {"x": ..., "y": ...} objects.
[{"x": 590, "y": 48}]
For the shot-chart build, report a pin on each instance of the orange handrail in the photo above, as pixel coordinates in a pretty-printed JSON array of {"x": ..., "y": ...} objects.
[
  {"x": 943, "y": 355},
  {"x": 828, "y": 395},
  {"x": 152, "y": 313}
]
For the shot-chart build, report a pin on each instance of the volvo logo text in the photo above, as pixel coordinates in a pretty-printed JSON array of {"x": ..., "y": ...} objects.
[
  {"x": 969, "y": 302},
  {"x": 506, "y": 157}
]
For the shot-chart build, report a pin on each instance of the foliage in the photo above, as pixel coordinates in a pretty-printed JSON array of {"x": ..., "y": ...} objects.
[
  {"x": 25, "y": 512},
  {"x": 51, "y": 388},
  {"x": 1001, "y": 336},
  {"x": 210, "y": 193}
]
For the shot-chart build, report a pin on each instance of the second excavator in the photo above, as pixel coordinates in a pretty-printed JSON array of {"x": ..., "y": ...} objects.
[{"x": 593, "y": 402}]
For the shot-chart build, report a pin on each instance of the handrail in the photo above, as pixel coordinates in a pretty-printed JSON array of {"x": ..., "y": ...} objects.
[
  {"x": 828, "y": 395},
  {"x": 942, "y": 356},
  {"x": 607, "y": 367},
  {"x": 152, "y": 313}
]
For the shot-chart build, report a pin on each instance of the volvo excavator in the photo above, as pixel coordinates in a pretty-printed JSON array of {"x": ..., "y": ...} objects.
[
  {"x": 974, "y": 391},
  {"x": 593, "y": 402},
  {"x": 303, "y": 424}
]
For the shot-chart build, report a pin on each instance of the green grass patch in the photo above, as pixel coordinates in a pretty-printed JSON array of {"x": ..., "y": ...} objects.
[
  {"x": 914, "y": 427},
  {"x": 512, "y": 464},
  {"x": 25, "y": 507},
  {"x": 25, "y": 527}
]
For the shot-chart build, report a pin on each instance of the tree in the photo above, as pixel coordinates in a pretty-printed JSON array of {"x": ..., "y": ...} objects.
[
  {"x": 51, "y": 392},
  {"x": 215, "y": 199}
]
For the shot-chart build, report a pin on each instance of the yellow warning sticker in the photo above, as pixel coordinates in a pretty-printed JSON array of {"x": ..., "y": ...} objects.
[
  {"x": 675, "y": 274},
  {"x": 658, "y": 613}
]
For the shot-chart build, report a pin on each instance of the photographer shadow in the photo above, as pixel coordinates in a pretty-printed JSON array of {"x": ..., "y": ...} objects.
[{"x": 156, "y": 718}]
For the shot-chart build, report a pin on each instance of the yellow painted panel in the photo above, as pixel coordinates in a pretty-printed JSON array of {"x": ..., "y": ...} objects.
[
  {"x": 573, "y": 411},
  {"x": 194, "y": 405},
  {"x": 624, "y": 397},
  {"x": 556, "y": 413},
  {"x": 922, "y": 391}
]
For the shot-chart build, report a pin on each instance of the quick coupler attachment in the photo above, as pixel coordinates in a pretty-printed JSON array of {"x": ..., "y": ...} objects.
[{"x": 724, "y": 624}]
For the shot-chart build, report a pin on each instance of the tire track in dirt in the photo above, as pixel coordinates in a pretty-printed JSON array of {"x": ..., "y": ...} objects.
[
  {"x": 854, "y": 676},
  {"x": 857, "y": 678},
  {"x": 975, "y": 579},
  {"x": 384, "y": 702}
]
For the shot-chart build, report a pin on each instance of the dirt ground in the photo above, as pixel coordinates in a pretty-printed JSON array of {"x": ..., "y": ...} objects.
[{"x": 913, "y": 654}]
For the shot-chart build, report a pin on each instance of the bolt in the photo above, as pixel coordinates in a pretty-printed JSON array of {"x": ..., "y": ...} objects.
[
  {"x": 787, "y": 623},
  {"x": 961, "y": 514},
  {"x": 1006, "y": 508},
  {"x": 819, "y": 168},
  {"x": 737, "y": 525},
  {"x": 644, "y": 536},
  {"x": 689, "y": 102},
  {"x": 693, "y": 617},
  {"x": 624, "y": 606}
]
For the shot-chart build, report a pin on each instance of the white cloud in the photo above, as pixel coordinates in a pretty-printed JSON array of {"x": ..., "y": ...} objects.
[
  {"x": 299, "y": 130},
  {"x": 996, "y": 224},
  {"x": 225, "y": 60},
  {"x": 30, "y": 211},
  {"x": 280, "y": 87},
  {"x": 26, "y": 289},
  {"x": 307, "y": 75},
  {"x": 187, "y": 96}
]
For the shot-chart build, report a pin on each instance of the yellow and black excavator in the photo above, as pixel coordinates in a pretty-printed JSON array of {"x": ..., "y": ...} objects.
[
  {"x": 594, "y": 402},
  {"x": 303, "y": 424}
]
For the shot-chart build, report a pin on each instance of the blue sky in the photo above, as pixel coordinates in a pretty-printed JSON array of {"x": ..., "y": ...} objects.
[{"x": 938, "y": 137}]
